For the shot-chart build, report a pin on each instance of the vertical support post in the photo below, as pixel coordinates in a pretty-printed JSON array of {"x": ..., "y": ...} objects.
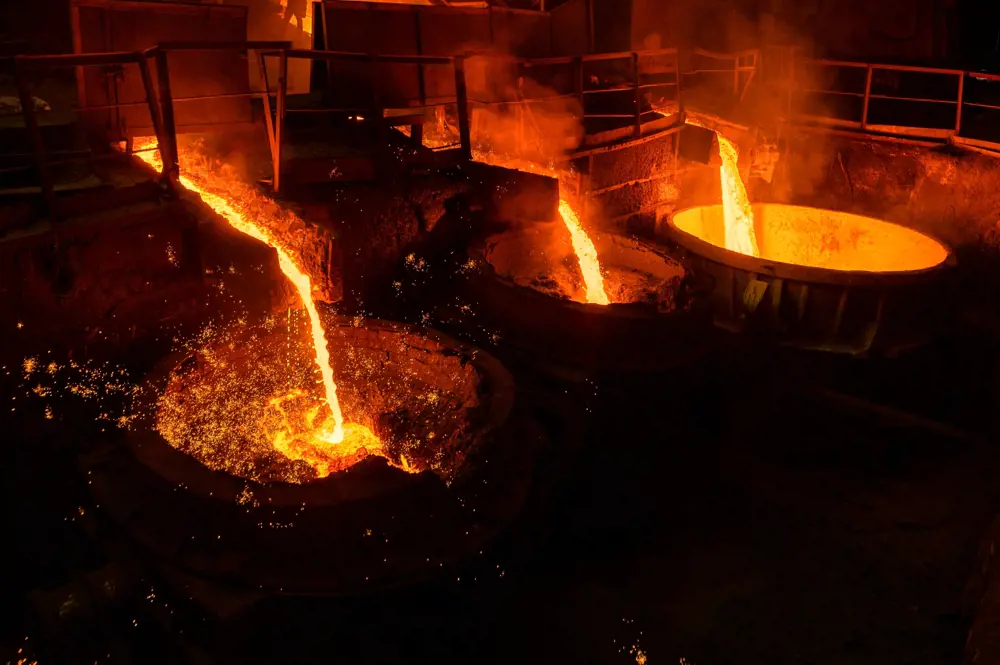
[
  {"x": 520, "y": 125},
  {"x": 37, "y": 143},
  {"x": 266, "y": 100},
  {"x": 677, "y": 81},
  {"x": 753, "y": 147},
  {"x": 591, "y": 44},
  {"x": 328, "y": 45},
  {"x": 155, "y": 113},
  {"x": 489, "y": 20},
  {"x": 417, "y": 131},
  {"x": 585, "y": 186},
  {"x": 578, "y": 86},
  {"x": 81, "y": 85},
  {"x": 578, "y": 79},
  {"x": 280, "y": 117},
  {"x": 417, "y": 134},
  {"x": 377, "y": 114},
  {"x": 111, "y": 75},
  {"x": 551, "y": 33},
  {"x": 637, "y": 94},
  {"x": 736, "y": 76},
  {"x": 262, "y": 65},
  {"x": 791, "y": 82},
  {"x": 868, "y": 93},
  {"x": 958, "y": 110},
  {"x": 168, "y": 148},
  {"x": 677, "y": 153},
  {"x": 521, "y": 103},
  {"x": 462, "y": 98}
]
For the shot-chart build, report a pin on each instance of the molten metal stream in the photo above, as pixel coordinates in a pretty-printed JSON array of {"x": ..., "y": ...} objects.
[
  {"x": 583, "y": 246},
  {"x": 736, "y": 210},
  {"x": 586, "y": 254},
  {"x": 301, "y": 281}
]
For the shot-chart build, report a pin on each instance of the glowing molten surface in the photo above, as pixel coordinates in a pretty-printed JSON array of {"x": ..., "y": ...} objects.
[
  {"x": 586, "y": 254},
  {"x": 243, "y": 399},
  {"x": 316, "y": 438},
  {"x": 820, "y": 238},
  {"x": 740, "y": 234}
]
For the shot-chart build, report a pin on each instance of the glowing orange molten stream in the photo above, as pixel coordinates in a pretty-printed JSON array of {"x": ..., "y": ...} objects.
[
  {"x": 331, "y": 432},
  {"x": 737, "y": 213},
  {"x": 586, "y": 254}
]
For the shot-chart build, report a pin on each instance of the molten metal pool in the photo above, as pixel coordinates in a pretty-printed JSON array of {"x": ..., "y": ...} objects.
[
  {"x": 209, "y": 495},
  {"x": 242, "y": 404}
]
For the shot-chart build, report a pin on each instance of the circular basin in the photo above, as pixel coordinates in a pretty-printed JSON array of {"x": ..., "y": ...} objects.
[{"x": 824, "y": 279}]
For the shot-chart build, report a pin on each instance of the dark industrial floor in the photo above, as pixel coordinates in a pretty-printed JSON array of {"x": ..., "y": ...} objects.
[{"x": 731, "y": 512}]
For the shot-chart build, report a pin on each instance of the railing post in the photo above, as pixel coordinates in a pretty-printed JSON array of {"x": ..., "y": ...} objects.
[
  {"x": 168, "y": 148},
  {"x": 155, "y": 112},
  {"x": 754, "y": 67},
  {"x": 791, "y": 83},
  {"x": 637, "y": 91},
  {"x": 38, "y": 144},
  {"x": 378, "y": 114},
  {"x": 868, "y": 93},
  {"x": 677, "y": 79},
  {"x": 280, "y": 116},
  {"x": 591, "y": 39},
  {"x": 266, "y": 100},
  {"x": 583, "y": 192},
  {"x": 417, "y": 131},
  {"x": 578, "y": 82},
  {"x": 736, "y": 76},
  {"x": 462, "y": 98},
  {"x": 958, "y": 110},
  {"x": 521, "y": 105}
]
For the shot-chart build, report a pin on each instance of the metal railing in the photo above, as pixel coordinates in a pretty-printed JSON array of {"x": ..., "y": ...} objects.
[
  {"x": 375, "y": 109},
  {"x": 168, "y": 138},
  {"x": 633, "y": 73},
  {"x": 26, "y": 64},
  {"x": 581, "y": 83},
  {"x": 743, "y": 70},
  {"x": 897, "y": 100},
  {"x": 627, "y": 79},
  {"x": 642, "y": 75}
]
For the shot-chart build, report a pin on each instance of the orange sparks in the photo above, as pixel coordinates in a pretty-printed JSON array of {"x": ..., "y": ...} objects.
[
  {"x": 737, "y": 213},
  {"x": 586, "y": 254},
  {"x": 332, "y": 431}
]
